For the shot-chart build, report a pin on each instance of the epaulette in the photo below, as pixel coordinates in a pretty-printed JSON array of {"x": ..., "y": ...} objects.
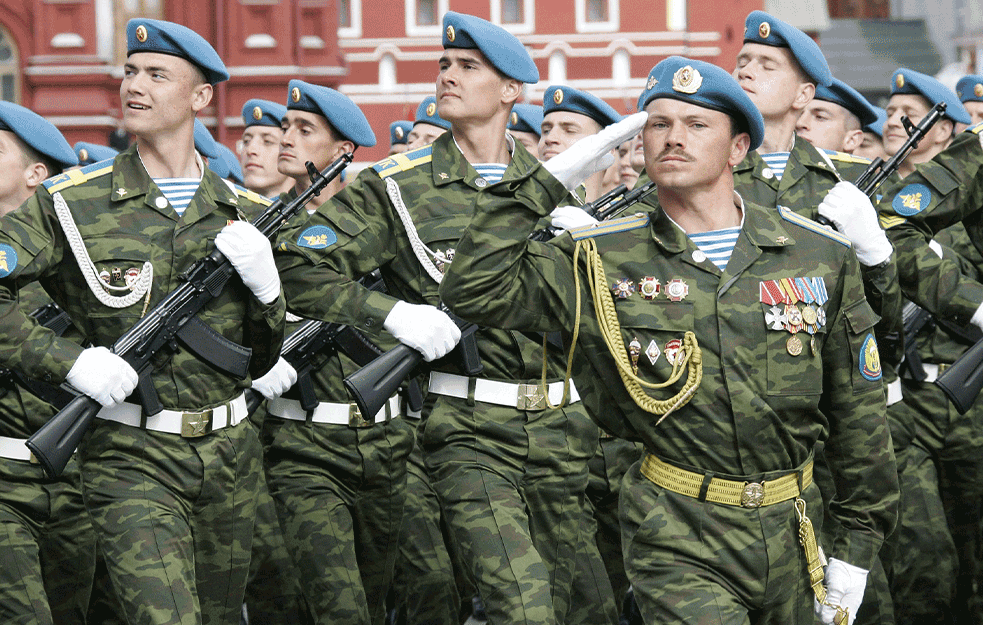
[
  {"x": 623, "y": 224},
  {"x": 78, "y": 176},
  {"x": 977, "y": 129},
  {"x": 402, "y": 162},
  {"x": 804, "y": 222},
  {"x": 890, "y": 221},
  {"x": 252, "y": 196},
  {"x": 843, "y": 157}
]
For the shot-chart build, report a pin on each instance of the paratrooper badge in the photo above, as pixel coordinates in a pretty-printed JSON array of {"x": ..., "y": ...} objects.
[
  {"x": 653, "y": 352},
  {"x": 130, "y": 277},
  {"x": 317, "y": 237},
  {"x": 104, "y": 276},
  {"x": 651, "y": 83},
  {"x": 912, "y": 200},
  {"x": 8, "y": 260},
  {"x": 870, "y": 359},
  {"x": 634, "y": 349},
  {"x": 623, "y": 288}
]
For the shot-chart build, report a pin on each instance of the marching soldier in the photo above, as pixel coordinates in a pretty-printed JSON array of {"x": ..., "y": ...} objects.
[
  {"x": 226, "y": 165},
  {"x": 48, "y": 547},
  {"x": 399, "y": 134},
  {"x": 427, "y": 126},
  {"x": 835, "y": 118},
  {"x": 259, "y": 148},
  {"x": 525, "y": 125},
  {"x": 702, "y": 356},
  {"x": 510, "y": 472},
  {"x": 171, "y": 495},
  {"x": 872, "y": 145},
  {"x": 970, "y": 91}
]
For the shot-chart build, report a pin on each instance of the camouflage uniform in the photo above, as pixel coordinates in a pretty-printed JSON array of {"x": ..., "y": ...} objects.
[
  {"x": 174, "y": 515},
  {"x": 758, "y": 411},
  {"x": 48, "y": 546},
  {"x": 510, "y": 481}
]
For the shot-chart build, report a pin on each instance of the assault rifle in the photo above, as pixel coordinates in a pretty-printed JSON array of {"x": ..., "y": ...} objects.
[
  {"x": 914, "y": 320},
  {"x": 173, "y": 319},
  {"x": 372, "y": 385},
  {"x": 50, "y": 316}
]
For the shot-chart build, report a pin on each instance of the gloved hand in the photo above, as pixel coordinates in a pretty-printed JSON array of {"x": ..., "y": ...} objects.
[
  {"x": 977, "y": 319},
  {"x": 277, "y": 380},
  {"x": 103, "y": 376},
  {"x": 845, "y": 586},
  {"x": 424, "y": 328},
  {"x": 251, "y": 255},
  {"x": 569, "y": 217},
  {"x": 854, "y": 216},
  {"x": 592, "y": 154}
]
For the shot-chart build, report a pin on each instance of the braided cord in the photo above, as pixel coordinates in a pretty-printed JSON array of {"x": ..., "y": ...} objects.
[{"x": 422, "y": 252}]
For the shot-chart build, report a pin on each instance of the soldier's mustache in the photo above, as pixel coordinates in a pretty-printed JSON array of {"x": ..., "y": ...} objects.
[{"x": 675, "y": 152}]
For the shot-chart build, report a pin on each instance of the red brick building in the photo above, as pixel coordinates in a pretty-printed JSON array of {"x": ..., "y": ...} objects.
[{"x": 62, "y": 58}]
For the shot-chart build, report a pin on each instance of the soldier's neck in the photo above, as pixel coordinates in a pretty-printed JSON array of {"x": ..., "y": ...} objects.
[
  {"x": 482, "y": 143},
  {"x": 779, "y": 134},
  {"x": 703, "y": 209},
  {"x": 169, "y": 157},
  {"x": 303, "y": 183}
]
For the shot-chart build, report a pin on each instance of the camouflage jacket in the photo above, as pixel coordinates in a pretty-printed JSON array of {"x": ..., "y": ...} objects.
[
  {"x": 759, "y": 408},
  {"x": 358, "y": 231},
  {"x": 942, "y": 192},
  {"x": 124, "y": 221}
]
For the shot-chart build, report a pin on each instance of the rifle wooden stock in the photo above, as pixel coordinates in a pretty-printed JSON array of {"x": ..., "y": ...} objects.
[{"x": 963, "y": 381}]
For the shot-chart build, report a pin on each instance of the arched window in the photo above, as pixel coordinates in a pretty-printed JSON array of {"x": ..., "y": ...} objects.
[{"x": 9, "y": 90}]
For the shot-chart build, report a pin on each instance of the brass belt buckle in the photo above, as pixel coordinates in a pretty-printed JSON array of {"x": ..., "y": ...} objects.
[
  {"x": 195, "y": 424},
  {"x": 530, "y": 398},
  {"x": 753, "y": 495},
  {"x": 355, "y": 419}
]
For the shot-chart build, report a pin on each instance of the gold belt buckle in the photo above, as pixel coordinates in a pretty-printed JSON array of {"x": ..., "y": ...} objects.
[
  {"x": 33, "y": 459},
  {"x": 195, "y": 424},
  {"x": 753, "y": 495},
  {"x": 355, "y": 419},
  {"x": 530, "y": 398}
]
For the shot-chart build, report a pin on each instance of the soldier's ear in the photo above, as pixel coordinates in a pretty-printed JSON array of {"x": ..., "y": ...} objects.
[
  {"x": 739, "y": 146},
  {"x": 35, "y": 174},
  {"x": 852, "y": 141},
  {"x": 804, "y": 94},
  {"x": 511, "y": 90},
  {"x": 201, "y": 96}
]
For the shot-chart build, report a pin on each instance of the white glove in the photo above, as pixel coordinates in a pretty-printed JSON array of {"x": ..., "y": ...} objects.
[
  {"x": 570, "y": 217},
  {"x": 977, "y": 319},
  {"x": 251, "y": 255},
  {"x": 592, "y": 154},
  {"x": 845, "y": 586},
  {"x": 277, "y": 380},
  {"x": 103, "y": 376},
  {"x": 854, "y": 216},
  {"x": 424, "y": 328}
]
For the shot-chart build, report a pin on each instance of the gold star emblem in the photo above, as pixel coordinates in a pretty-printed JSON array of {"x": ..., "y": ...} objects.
[
  {"x": 257, "y": 113},
  {"x": 451, "y": 34},
  {"x": 443, "y": 176},
  {"x": 295, "y": 94},
  {"x": 83, "y": 154},
  {"x": 141, "y": 33},
  {"x": 557, "y": 96},
  {"x": 764, "y": 30},
  {"x": 978, "y": 90},
  {"x": 198, "y": 424},
  {"x": 431, "y": 109},
  {"x": 121, "y": 192}
]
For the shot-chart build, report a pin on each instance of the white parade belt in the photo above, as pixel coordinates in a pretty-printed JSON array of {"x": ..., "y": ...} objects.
[
  {"x": 333, "y": 413},
  {"x": 520, "y": 396},
  {"x": 187, "y": 424},
  {"x": 15, "y": 449}
]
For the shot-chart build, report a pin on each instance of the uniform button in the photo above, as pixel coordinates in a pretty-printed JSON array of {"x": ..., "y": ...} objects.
[
  {"x": 369, "y": 322},
  {"x": 768, "y": 173},
  {"x": 161, "y": 201},
  {"x": 481, "y": 183},
  {"x": 699, "y": 256}
]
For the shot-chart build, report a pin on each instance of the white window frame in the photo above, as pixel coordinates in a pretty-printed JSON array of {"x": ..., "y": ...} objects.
[
  {"x": 415, "y": 30},
  {"x": 355, "y": 30},
  {"x": 525, "y": 27},
  {"x": 677, "y": 19},
  {"x": 612, "y": 25}
]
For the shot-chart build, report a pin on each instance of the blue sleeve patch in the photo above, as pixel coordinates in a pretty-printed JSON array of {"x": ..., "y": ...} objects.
[
  {"x": 912, "y": 200},
  {"x": 317, "y": 237},
  {"x": 8, "y": 260},
  {"x": 870, "y": 359}
]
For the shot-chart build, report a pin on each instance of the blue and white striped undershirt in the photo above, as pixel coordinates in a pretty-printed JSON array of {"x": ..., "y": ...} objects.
[
  {"x": 718, "y": 245},
  {"x": 178, "y": 191},
  {"x": 776, "y": 161},
  {"x": 492, "y": 172}
]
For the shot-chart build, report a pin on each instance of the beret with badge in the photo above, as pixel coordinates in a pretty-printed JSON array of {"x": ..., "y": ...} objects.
[
  {"x": 560, "y": 98},
  {"x": 970, "y": 88},
  {"x": 909, "y": 82},
  {"x": 343, "y": 114},
  {"x": 502, "y": 49},
  {"x": 760, "y": 27},
  {"x": 399, "y": 132},
  {"x": 526, "y": 118},
  {"x": 37, "y": 133},
  {"x": 849, "y": 98},
  {"x": 89, "y": 153},
  {"x": 147, "y": 35},
  {"x": 257, "y": 112},
  {"x": 427, "y": 114}
]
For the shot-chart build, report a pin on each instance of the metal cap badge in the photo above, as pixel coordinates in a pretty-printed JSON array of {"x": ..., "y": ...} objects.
[
  {"x": 764, "y": 29},
  {"x": 141, "y": 33},
  {"x": 295, "y": 94},
  {"x": 432, "y": 107},
  {"x": 257, "y": 113},
  {"x": 558, "y": 96},
  {"x": 450, "y": 34},
  {"x": 687, "y": 80}
]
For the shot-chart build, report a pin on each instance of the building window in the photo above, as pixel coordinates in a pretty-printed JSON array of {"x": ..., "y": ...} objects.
[
  {"x": 349, "y": 18},
  {"x": 8, "y": 68},
  {"x": 423, "y": 17},
  {"x": 597, "y": 16},
  {"x": 515, "y": 16}
]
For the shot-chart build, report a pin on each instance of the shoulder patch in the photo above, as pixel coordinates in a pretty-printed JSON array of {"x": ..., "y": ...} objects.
[
  {"x": 78, "y": 176},
  {"x": 252, "y": 196},
  {"x": 638, "y": 220},
  {"x": 804, "y": 222},
  {"x": 843, "y": 157},
  {"x": 8, "y": 260},
  {"x": 317, "y": 237},
  {"x": 912, "y": 200},
  {"x": 402, "y": 162},
  {"x": 870, "y": 359}
]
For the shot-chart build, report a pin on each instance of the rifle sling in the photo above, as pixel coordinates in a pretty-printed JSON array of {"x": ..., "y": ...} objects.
[{"x": 215, "y": 349}]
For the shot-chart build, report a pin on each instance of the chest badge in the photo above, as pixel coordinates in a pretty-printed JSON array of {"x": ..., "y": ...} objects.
[
  {"x": 649, "y": 287},
  {"x": 623, "y": 288},
  {"x": 121, "y": 192},
  {"x": 676, "y": 291}
]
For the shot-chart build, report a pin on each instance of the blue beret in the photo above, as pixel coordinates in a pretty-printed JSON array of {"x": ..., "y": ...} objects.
[
  {"x": 37, "y": 133},
  {"x": 877, "y": 127},
  {"x": 970, "y": 88},
  {"x": 849, "y": 98},
  {"x": 343, "y": 114},
  {"x": 146, "y": 35},
  {"x": 909, "y": 82},
  {"x": 558, "y": 98},
  {"x": 427, "y": 113},
  {"x": 226, "y": 165},
  {"x": 706, "y": 85},
  {"x": 399, "y": 131},
  {"x": 526, "y": 118},
  {"x": 500, "y": 47},
  {"x": 89, "y": 153},
  {"x": 263, "y": 113},
  {"x": 204, "y": 142},
  {"x": 760, "y": 27}
]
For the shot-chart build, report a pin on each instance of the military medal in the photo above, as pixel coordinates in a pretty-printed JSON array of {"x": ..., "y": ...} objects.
[
  {"x": 812, "y": 345},
  {"x": 104, "y": 276},
  {"x": 649, "y": 287},
  {"x": 809, "y": 315},
  {"x": 442, "y": 259},
  {"x": 673, "y": 351},
  {"x": 130, "y": 277},
  {"x": 677, "y": 290},
  {"x": 623, "y": 288},
  {"x": 775, "y": 318},
  {"x": 653, "y": 352},
  {"x": 634, "y": 349},
  {"x": 793, "y": 345},
  {"x": 117, "y": 274},
  {"x": 794, "y": 317}
]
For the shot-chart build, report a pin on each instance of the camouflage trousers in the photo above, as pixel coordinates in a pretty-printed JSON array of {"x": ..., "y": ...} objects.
[
  {"x": 511, "y": 485},
  {"x": 339, "y": 494},
  {"x": 174, "y": 519},
  {"x": 600, "y": 583},
  {"x": 47, "y": 546},
  {"x": 707, "y": 564},
  {"x": 429, "y": 585}
]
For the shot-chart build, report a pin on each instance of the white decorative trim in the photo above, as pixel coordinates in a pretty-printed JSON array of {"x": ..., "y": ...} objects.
[
  {"x": 387, "y": 72},
  {"x": 526, "y": 26},
  {"x": 260, "y": 40},
  {"x": 355, "y": 30},
  {"x": 311, "y": 42},
  {"x": 67, "y": 40},
  {"x": 676, "y": 15},
  {"x": 415, "y": 30},
  {"x": 557, "y": 68},
  {"x": 286, "y": 70},
  {"x": 81, "y": 120},
  {"x": 612, "y": 24},
  {"x": 659, "y": 35},
  {"x": 105, "y": 29}
]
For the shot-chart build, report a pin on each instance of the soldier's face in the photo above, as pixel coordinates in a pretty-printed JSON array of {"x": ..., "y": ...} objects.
[
  {"x": 688, "y": 147},
  {"x": 258, "y": 158},
  {"x": 160, "y": 93},
  {"x": 871, "y": 147},
  {"x": 528, "y": 140},
  {"x": 638, "y": 154},
  {"x": 423, "y": 134},
  {"x": 561, "y": 129},
  {"x": 306, "y": 137},
  {"x": 829, "y": 126},
  {"x": 398, "y": 148},
  {"x": 470, "y": 88},
  {"x": 975, "y": 111},
  {"x": 14, "y": 189},
  {"x": 915, "y": 107},
  {"x": 771, "y": 78}
]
